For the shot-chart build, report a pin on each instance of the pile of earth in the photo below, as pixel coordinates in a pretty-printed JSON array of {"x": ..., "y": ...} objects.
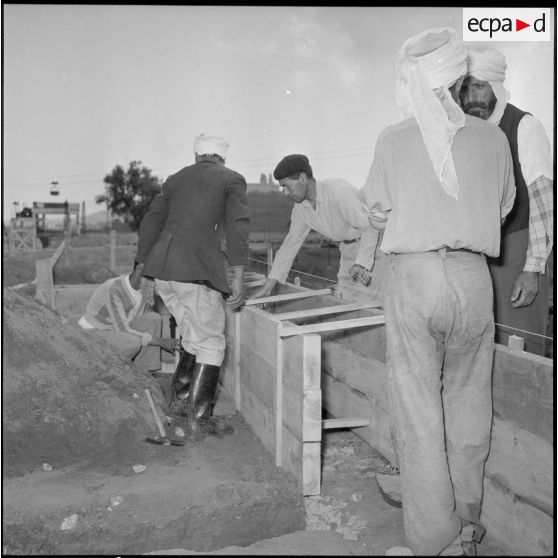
[{"x": 67, "y": 399}]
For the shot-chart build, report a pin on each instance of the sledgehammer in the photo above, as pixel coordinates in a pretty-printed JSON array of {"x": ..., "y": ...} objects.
[{"x": 163, "y": 439}]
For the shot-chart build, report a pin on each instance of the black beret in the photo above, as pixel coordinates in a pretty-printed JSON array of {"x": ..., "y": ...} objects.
[{"x": 291, "y": 164}]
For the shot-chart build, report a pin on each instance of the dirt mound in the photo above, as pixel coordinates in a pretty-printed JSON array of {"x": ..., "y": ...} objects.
[{"x": 66, "y": 400}]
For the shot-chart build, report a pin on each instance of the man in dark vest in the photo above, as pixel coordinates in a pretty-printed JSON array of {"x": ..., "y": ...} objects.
[
  {"x": 519, "y": 274},
  {"x": 181, "y": 248}
]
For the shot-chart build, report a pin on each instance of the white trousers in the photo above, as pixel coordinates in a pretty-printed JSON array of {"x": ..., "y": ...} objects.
[{"x": 199, "y": 313}]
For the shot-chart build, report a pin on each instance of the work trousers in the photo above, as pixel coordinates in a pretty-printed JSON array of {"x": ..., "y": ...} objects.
[
  {"x": 354, "y": 291},
  {"x": 533, "y": 318},
  {"x": 199, "y": 313},
  {"x": 440, "y": 344},
  {"x": 129, "y": 346}
]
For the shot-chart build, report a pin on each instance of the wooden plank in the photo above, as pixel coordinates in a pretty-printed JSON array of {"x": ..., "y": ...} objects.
[
  {"x": 236, "y": 365},
  {"x": 286, "y": 331},
  {"x": 522, "y": 463},
  {"x": 311, "y": 361},
  {"x": 260, "y": 417},
  {"x": 311, "y": 468},
  {"x": 292, "y": 454},
  {"x": 54, "y": 258},
  {"x": 312, "y": 415},
  {"x": 328, "y": 424},
  {"x": 259, "y": 333},
  {"x": 279, "y": 404},
  {"x": 287, "y": 296},
  {"x": 514, "y": 525},
  {"x": 293, "y": 384},
  {"x": 312, "y": 312},
  {"x": 360, "y": 373},
  {"x": 340, "y": 401},
  {"x": 257, "y": 373},
  {"x": 523, "y": 390},
  {"x": 301, "y": 403},
  {"x": 45, "y": 286}
]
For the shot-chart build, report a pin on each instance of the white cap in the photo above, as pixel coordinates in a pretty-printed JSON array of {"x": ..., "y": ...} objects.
[{"x": 207, "y": 145}]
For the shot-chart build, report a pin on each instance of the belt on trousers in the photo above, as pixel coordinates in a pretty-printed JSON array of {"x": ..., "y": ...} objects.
[
  {"x": 442, "y": 252},
  {"x": 446, "y": 249},
  {"x": 350, "y": 241}
]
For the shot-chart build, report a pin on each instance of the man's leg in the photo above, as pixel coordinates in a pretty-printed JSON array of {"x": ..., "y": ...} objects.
[
  {"x": 126, "y": 345},
  {"x": 149, "y": 356},
  {"x": 203, "y": 314},
  {"x": 467, "y": 383},
  {"x": 416, "y": 317}
]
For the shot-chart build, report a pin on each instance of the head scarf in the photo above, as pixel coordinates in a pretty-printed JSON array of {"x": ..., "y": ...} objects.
[
  {"x": 209, "y": 145},
  {"x": 490, "y": 65},
  {"x": 427, "y": 64},
  {"x": 291, "y": 164}
]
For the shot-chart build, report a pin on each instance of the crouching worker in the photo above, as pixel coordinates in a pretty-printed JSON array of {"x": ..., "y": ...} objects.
[{"x": 117, "y": 314}]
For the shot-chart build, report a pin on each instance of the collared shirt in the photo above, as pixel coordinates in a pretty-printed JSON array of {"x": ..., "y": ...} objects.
[
  {"x": 113, "y": 306},
  {"x": 339, "y": 215},
  {"x": 403, "y": 192},
  {"x": 535, "y": 157}
]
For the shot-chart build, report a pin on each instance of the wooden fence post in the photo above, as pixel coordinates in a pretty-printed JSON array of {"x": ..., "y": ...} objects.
[
  {"x": 269, "y": 257},
  {"x": 67, "y": 253},
  {"x": 112, "y": 264},
  {"x": 45, "y": 283}
]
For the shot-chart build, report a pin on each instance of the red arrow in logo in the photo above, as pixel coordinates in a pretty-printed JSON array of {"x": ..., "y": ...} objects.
[{"x": 519, "y": 25}]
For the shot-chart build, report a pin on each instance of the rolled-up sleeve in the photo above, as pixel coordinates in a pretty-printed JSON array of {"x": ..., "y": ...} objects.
[
  {"x": 375, "y": 190},
  {"x": 285, "y": 256}
]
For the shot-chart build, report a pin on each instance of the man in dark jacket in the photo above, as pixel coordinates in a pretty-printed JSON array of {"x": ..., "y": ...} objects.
[{"x": 180, "y": 245}]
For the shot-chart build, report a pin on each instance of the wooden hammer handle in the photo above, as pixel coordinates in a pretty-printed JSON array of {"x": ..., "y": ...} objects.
[{"x": 155, "y": 414}]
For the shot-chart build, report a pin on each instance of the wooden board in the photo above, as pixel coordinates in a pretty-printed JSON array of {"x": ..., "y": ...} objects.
[
  {"x": 522, "y": 463},
  {"x": 523, "y": 391},
  {"x": 300, "y": 419},
  {"x": 514, "y": 525}
]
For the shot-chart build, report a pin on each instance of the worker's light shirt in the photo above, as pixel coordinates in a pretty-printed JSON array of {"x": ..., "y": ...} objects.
[
  {"x": 114, "y": 305},
  {"x": 339, "y": 215},
  {"x": 403, "y": 192}
]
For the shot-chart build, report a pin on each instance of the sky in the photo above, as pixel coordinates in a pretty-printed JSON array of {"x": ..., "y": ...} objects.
[{"x": 89, "y": 87}]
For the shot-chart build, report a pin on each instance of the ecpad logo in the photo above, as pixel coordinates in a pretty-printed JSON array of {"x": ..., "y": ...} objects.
[{"x": 506, "y": 24}]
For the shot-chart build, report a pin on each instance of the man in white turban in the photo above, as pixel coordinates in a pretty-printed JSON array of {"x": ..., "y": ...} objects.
[
  {"x": 519, "y": 274},
  {"x": 179, "y": 246},
  {"x": 441, "y": 214}
]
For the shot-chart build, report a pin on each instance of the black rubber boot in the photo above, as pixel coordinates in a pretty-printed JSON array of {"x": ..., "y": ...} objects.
[
  {"x": 180, "y": 385},
  {"x": 202, "y": 393}
]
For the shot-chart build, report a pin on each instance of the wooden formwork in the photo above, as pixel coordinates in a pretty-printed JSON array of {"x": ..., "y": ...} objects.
[
  {"x": 275, "y": 347},
  {"x": 294, "y": 358}
]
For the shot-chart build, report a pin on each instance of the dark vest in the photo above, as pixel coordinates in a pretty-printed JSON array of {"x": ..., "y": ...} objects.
[{"x": 518, "y": 218}]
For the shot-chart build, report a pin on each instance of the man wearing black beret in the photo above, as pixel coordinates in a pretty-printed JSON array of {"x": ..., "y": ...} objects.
[{"x": 332, "y": 208}]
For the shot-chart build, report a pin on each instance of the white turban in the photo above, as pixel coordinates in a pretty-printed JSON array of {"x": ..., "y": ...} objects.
[
  {"x": 433, "y": 60},
  {"x": 490, "y": 65},
  {"x": 207, "y": 145}
]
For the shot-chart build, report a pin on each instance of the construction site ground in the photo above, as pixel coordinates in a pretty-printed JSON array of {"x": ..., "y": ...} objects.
[{"x": 80, "y": 478}]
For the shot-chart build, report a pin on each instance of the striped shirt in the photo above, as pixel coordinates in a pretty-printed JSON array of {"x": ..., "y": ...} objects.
[
  {"x": 536, "y": 165},
  {"x": 113, "y": 306}
]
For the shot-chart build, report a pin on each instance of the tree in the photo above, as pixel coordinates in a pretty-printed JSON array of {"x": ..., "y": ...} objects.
[
  {"x": 263, "y": 178},
  {"x": 128, "y": 194}
]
